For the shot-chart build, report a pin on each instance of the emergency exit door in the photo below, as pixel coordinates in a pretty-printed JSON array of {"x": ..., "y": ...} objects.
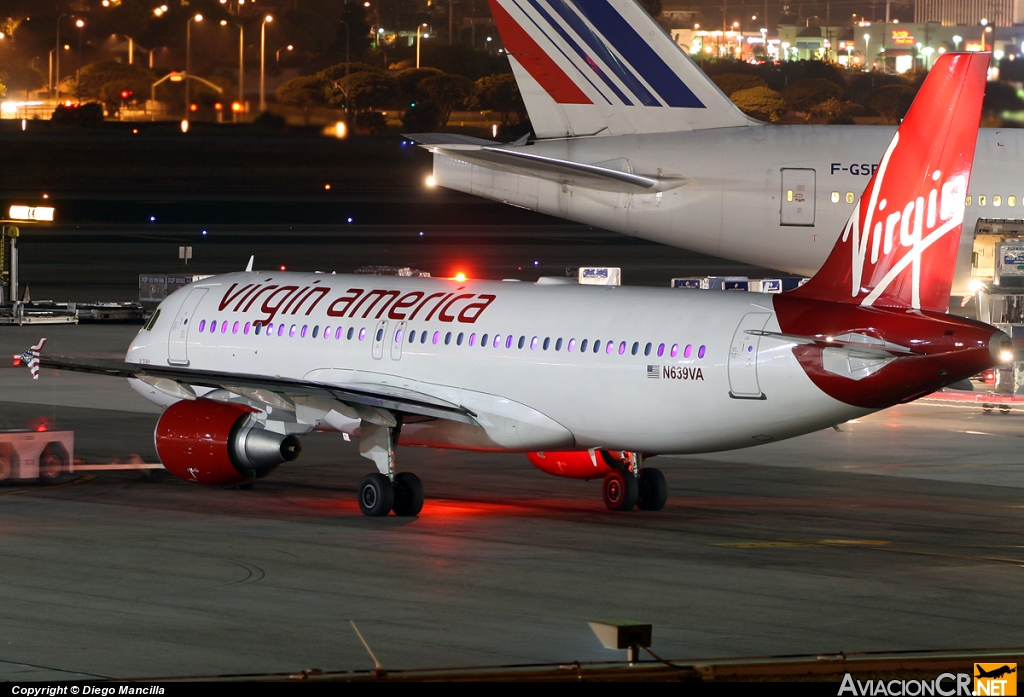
[{"x": 797, "y": 197}]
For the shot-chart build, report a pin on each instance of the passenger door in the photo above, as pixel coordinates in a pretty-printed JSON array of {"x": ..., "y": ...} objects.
[
  {"x": 743, "y": 383},
  {"x": 398, "y": 340},
  {"x": 177, "y": 338},
  {"x": 379, "y": 335},
  {"x": 797, "y": 197}
]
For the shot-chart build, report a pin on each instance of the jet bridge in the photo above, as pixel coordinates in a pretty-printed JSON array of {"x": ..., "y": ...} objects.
[{"x": 997, "y": 281}]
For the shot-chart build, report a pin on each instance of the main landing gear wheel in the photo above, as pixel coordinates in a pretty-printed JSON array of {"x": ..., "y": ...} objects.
[
  {"x": 620, "y": 490},
  {"x": 376, "y": 495},
  {"x": 652, "y": 492},
  {"x": 408, "y": 494}
]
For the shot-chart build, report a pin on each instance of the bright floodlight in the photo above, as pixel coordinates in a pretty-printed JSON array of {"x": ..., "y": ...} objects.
[
  {"x": 223, "y": 22},
  {"x": 199, "y": 18},
  {"x": 268, "y": 18},
  {"x": 431, "y": 181},
  {"x": 1006, "y": 356},
  {"x": 79, "y": 24},
  {"x": 41, "y": 213}
]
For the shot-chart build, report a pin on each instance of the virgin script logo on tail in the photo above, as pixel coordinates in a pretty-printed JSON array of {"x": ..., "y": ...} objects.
[{"x": 897, "y": 233}]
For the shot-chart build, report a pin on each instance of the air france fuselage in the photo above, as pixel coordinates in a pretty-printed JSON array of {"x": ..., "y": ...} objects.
[
  {"x": 541, "y": 366},
  {"x": 772, "y": 196}
]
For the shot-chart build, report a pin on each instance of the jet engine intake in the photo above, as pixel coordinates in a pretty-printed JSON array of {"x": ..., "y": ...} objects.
[{"x": 219, "y": 444}]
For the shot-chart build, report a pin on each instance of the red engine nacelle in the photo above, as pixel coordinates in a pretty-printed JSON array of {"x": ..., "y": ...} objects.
[
  {"x": 578, "y": 464},
  {"x": 219, "y": 444}
]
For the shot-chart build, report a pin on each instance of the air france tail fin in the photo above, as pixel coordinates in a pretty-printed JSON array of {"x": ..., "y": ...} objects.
[
  {"x": 597, "y": 67},
  {"x": 900, "y": 245}
]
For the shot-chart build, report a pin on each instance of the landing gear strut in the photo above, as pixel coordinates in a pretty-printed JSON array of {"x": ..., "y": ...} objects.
[
  {"x": 633, "y": 485},
  {"x": 384, "y": 491}
]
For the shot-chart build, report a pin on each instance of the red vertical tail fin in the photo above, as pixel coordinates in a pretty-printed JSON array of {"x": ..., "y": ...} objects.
[{"x": 900, "y": 245}]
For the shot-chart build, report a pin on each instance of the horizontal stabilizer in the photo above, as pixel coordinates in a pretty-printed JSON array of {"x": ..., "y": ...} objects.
[
  {"x": 856, "y": 343},
  {"x": 557, "y": 170},
  {"x": 446, "y": 139}
]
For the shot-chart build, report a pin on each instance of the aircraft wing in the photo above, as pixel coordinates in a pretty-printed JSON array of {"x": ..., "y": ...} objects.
[
  {"x": 177, "y": 381},
  {"x": 485, "y": 153}
]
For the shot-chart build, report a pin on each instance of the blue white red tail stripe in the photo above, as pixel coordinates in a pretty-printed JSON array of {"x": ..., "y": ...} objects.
[{"x": 605, "y": 67}]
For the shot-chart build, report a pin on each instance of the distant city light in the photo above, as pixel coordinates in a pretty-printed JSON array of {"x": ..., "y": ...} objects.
[
  {"x": 350, "y": 220},
  {"x": 327, "y": 187}
]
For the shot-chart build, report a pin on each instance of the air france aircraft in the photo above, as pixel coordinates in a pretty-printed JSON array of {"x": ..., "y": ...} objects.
[
  {"x": 633, "y": 137},
  {"x": 591, "y": 381}
]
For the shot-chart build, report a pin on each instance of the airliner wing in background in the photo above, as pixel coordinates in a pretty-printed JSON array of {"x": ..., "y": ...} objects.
[{"x": 176, "y": 382}]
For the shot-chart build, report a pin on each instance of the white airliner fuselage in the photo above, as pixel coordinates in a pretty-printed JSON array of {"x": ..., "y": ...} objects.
[
  {"x": 667, "y": 363},
  {"x": 729, "y": 197}
]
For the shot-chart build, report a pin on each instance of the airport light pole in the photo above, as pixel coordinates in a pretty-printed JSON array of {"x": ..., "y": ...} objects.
[
  {"x": 277, "y": 53},
  {"x": 241, "y": 62},
  {"x": 263, "y": 61},
  {"x": 56, "y": 75},
  {"x": 188, "y": 60},
  {"x": 420, "y": 27},
  {"x": 78, "y": 72}
]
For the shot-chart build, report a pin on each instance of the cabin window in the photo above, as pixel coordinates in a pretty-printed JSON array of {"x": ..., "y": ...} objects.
[
  {"x": 622, "y": 348},
  {"x": 835, "y": 197},
  {"x": 458, "y": 340},
  {"x": 609, "y": 347},
  {"x": 398, "y": 336},
  {"x": 234, "y": 328},
  {"x": 583, "y": 346},
  {"x": 202, "y": 325},
  {"x": 700, "y": 352},
  {"x": 316, "y": 331},
  {"x": 280, "y": 329},
  {"x": 571, "y": 346},
  {"x": 270, "y": 329},
  {"x": 533, "y": 344},
  {"x": 675, "y": 350},
  {"x": 1011, "y": 201},
  {"x": 647, "y": 349},
  {"x": 472, "y": 339},
  {"x": 483, "y": 340},
  {"x": 380, "y": 335},
  {"x": 437, "y": 337},
  {"x": 256, "y": 329},
  {"x": 688, "y": 351},
  {"x": 362, "y": 333},
  {"x": 291, "y": 331},
  {"x": 547, "y": 342},
  {"x": 997, "y": 200},
  {"x": 508, "y": 341},
  {"x": 497, "y": 340},
  {"x": 636, "y": 347},
  {"x": 245, "y": 329},
  {"x": 447, "y": 338},
  {"x": 981, "y": 200},
  {"x": 337, "y": 333},
  {"x": 850, "y": 197},
  {"x": 661, "y": 350},
  {"x": 967, "y": 202},
  {"x": 305, "y": 328},
  {"x": 412, "y": 336},
  {"x": 558, "y": 344},
  {"x": 522, "y": 342}
]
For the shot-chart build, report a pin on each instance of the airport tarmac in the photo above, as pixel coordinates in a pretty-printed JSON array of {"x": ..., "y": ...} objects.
[{"x": 901, "y": 531}]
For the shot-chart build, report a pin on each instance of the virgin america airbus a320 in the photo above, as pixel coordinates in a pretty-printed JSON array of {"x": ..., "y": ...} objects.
[{"x": 245, "y": 363}]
